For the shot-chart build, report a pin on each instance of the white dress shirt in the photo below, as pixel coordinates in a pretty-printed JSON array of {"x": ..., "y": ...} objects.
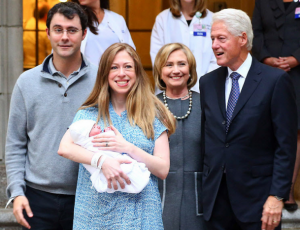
[{"x": 243, "y": 71}]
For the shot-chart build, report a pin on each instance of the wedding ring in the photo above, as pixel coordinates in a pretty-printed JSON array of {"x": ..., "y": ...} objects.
[
  {"x": 274, "y": 221},
  {"x": 106, "y": 144}
]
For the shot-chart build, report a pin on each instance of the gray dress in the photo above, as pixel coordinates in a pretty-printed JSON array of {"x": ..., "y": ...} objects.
[{"x": 181, "y": 191}]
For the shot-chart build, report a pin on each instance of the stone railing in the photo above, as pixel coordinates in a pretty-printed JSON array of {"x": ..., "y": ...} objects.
[{"x": 8, "y": 221}]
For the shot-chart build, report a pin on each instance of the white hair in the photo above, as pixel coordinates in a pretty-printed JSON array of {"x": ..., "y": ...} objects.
[{"x": 237, "y": 22}]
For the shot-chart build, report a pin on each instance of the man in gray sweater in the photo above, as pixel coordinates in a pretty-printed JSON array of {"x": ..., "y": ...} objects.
[{"x": 44, "y": 101}]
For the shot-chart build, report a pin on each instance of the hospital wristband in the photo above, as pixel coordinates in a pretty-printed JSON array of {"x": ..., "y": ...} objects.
[
  {"x": 101, "y": 161},
  {"x": 95, "y": 159}
]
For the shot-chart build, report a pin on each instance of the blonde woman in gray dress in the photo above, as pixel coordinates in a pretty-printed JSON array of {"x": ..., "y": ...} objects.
[{"x": 175, "y": 74}]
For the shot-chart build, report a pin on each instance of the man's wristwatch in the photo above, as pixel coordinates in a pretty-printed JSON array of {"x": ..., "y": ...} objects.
[{"x": 278, "y": 198}]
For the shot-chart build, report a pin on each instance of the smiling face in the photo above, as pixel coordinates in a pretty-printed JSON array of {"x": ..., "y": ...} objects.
[
  {"x": 187, "y": 1},
  {"x": 229, "y": 50},
  {"x": 175, "y": 73},
  {"x": 65, "y": 45},
  {"x": 122, "y": 75}
]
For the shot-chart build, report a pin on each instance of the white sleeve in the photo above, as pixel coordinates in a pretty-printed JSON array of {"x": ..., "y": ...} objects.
[
  {"x": 127, "y": 36},
  {"x": 157, "y": 38}
]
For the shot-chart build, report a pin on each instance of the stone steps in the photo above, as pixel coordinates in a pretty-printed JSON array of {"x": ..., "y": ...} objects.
[
  {"x": 290, "y": 220},
  {"x": 8, "y": 221}
]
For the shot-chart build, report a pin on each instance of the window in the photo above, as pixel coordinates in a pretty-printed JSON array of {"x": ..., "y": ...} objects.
[{"x": 35, "y": 30}]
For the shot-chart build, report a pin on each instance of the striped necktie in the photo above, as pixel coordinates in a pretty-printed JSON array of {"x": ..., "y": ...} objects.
[{"x": 233, "y": 97}]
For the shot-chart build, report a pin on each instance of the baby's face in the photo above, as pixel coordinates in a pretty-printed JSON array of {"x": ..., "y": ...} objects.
[{"x": 95, "y": 130}]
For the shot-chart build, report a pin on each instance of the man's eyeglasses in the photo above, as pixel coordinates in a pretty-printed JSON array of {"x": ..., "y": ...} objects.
[{"x": 70, "y": 31}]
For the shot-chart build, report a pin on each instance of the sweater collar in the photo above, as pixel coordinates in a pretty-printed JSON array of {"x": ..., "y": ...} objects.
[{"x": 45, "y": 64}]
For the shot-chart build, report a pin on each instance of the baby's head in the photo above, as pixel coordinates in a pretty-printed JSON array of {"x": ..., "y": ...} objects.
[{"x": 95, "y": 130}]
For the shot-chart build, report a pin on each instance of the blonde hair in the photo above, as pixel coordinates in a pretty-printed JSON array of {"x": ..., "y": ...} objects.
[
  {"x": 141, "y": 104},
  {"x": 200, "y": 5},
  {"x": 162, "y": 58}
]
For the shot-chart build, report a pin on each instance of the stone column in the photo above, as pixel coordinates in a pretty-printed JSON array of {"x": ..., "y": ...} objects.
[
  {"x": 11, "y": 66},
  {"x": 11, "y": 58}
]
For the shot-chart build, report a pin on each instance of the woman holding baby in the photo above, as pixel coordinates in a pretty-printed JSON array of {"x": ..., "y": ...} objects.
[{"x": 122, "y": 99}]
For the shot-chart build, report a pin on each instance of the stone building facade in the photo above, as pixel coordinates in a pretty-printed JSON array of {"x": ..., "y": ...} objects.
[{"x": 11, "y": 66}]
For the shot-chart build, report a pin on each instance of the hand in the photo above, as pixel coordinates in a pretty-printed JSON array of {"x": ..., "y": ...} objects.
[
  {"x": 115, "y": 143},
  {"x": 113, "y": 173},
  {"x": 284, "y": 65},
  {"x": 290, "y": 61},
  {"x": 20, "y": 203},
  {"x": 271, "y": 215},
  {"x": 272, "y": 61}
]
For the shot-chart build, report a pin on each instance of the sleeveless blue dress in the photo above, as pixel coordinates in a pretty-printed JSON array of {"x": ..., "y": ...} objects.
[{"x": 118, "y": 211}]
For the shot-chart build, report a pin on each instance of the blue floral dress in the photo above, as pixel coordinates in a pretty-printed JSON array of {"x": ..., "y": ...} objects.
[{"x": 116, "y": 211}]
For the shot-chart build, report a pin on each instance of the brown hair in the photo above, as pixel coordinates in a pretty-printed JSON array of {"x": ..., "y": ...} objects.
[
  {"x": 200, "y": 5},
  {"x": 68, "y": 10},
  {"x": 92, "y": 18},
  {"x": 141, "y": 104},
  {"x": 162, "y": 58}
]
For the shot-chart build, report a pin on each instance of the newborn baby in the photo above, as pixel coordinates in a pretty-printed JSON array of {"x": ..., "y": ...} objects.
[{"x": 82, "y": 133}]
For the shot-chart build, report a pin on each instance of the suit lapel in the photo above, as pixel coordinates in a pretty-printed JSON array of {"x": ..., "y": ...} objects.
[
  {"x": 252, "y": 81},
  {"x": 292, "y": 7},
  {"x": 222, "y": 74},
  {"x": 280, "y": 5},
  {"x": 278, "y": 14}
]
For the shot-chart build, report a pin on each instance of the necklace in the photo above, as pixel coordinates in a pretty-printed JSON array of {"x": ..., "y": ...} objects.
[
  {"x": 178, "y": 97},
  {"x": 190, "y": 105}
]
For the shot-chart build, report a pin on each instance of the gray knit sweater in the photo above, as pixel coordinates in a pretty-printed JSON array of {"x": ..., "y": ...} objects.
[{"x": 41, "y": 110}]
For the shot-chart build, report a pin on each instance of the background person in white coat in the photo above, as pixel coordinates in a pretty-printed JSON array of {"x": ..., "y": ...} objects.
[
  {"x": 104, "y": 29},
  {"x": 187, "y": 22}
]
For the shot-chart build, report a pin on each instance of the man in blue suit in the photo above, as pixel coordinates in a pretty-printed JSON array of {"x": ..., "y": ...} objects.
[{"x": 249, "y": 132}]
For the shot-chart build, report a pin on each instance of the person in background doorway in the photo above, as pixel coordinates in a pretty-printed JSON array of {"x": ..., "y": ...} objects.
[
  {"x": 105, "y": 28},
  {"x": 187, "y": 22}
]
